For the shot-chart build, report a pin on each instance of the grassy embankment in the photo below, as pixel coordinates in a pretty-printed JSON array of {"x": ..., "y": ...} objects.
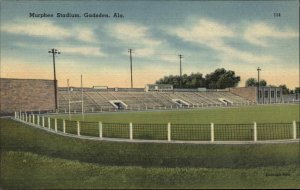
[{"x": 31, "y": 158}]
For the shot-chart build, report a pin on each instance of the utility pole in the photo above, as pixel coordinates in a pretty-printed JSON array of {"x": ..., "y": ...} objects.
[
  {"x": 180, "y": 57},
  {"x": 130, "y": 53},
  {"x": 258, "y": 69},
  {"x": 54, "y": 52}
]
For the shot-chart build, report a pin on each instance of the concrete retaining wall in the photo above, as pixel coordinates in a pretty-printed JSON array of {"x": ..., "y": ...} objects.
[{"x": 26, "y": 95}]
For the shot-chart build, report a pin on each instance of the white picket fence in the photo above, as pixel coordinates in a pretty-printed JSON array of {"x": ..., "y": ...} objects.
[{"x": 40, "y": 120}]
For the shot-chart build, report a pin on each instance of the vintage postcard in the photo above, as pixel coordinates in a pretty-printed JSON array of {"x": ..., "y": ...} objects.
[{"x": 149, "y": 94}]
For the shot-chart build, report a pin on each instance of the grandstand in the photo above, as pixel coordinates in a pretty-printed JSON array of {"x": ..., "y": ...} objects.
[
  {"x": 109, "y": 100},
  {"x": 16, "y": 95}
]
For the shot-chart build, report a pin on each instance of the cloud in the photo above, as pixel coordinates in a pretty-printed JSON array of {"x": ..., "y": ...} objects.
[
  {"x": 48, "y": 29},
  {"x": 144, "y": 52},
  {"x": 172, "y": 58},
  {"x": 65, "y": 48},
  {"x": 204, "y": 31},
  {"x": 36, "y": 29},
  {"x": 138, "y": 36},
  {"x": 129, "y": 31},
  {"x": 83, "y": 50},
  {"x": 213, "y": 35},
  {"x": 248, "y": 57},
  {"x": 84, "y": 34},
  {"x": 259, "y": 32}
]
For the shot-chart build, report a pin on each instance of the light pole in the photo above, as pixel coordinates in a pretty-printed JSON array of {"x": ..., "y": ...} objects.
[
  {"x": 258, "y": 70},
  {"x": 54, "y": 52},
  {"x": 130, "y": 53},
  {"x": 180, "y": 57}
]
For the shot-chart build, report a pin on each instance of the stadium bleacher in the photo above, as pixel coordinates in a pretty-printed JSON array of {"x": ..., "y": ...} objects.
[{"x": 99, "y": 100}]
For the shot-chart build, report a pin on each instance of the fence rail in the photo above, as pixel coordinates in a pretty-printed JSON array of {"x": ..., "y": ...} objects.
[{"x": 169, "y": 132}]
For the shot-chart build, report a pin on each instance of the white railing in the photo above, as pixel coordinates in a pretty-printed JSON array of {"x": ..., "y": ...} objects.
[{"x": 169, "y": 132}]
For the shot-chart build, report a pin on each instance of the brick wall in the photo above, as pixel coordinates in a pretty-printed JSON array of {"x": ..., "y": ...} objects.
[
  {"x": 26, "y": 95},
  {"x": 246, "y": 92}
]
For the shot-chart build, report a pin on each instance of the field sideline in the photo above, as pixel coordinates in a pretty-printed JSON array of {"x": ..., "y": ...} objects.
[{"x": 236, "y": 115}]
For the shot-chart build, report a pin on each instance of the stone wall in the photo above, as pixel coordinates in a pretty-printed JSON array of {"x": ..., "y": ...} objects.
[
  {"x": 246, "y": 92},
  {"x": 26, "y": 95}
]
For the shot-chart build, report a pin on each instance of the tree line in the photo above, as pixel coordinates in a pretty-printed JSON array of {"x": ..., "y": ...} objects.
[
  {"x": 285, "y": 89},
  {"x": 219, "y": 79}
]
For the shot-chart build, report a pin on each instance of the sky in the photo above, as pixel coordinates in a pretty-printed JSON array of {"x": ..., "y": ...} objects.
[{"x": 235, "y": 35}]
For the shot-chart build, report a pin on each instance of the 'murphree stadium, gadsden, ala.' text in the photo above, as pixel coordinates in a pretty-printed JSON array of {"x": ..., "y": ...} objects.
[{"x": 75, "y": 15}]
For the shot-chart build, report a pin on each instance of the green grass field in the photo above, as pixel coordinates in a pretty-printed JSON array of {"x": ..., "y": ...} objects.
[
  {"x": 236, "y": 115},
  {"x": 34, "y": 159},
  {"x": 230, "y": 124}
]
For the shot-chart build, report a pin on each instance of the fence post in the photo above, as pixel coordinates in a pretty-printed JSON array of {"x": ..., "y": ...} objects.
[
  {"x": 33, "y": 119},
  {"x": 169, "y": 131},
  {"x": 20, "y": 115},
  {"x": 78, "y": 128},
  {"x": 64, "y": 126},
  {"x": 49, "y": 123},
  {"x": 294, "y": 130},
  {"x": 130, "y": 131},
  {"x": 43, "y": 121},
  {"x": 26, "y": 119},
  {"x": 100, "y": 130},
  {"x": 212, "y": 132},
  {"x": 15, "y": 115},
  {"x": 55, "y": 124},
  {"x": 255, "y": 132},
  {"x": 38, "y": 119}
]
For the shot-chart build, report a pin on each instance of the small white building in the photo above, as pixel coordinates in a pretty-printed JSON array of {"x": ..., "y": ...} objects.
[{"x": 158, "y": 87}]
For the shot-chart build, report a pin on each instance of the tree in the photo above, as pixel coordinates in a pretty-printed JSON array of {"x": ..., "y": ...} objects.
[
  {"x": 195, "y": 80},
  {"x": 285, "y": 89},
  {"x": 297, "y": 90},
  {"x": 253, "y": 82},
  {"x": 262, "y": 83},
  {"x": 220, "y": 79}
]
